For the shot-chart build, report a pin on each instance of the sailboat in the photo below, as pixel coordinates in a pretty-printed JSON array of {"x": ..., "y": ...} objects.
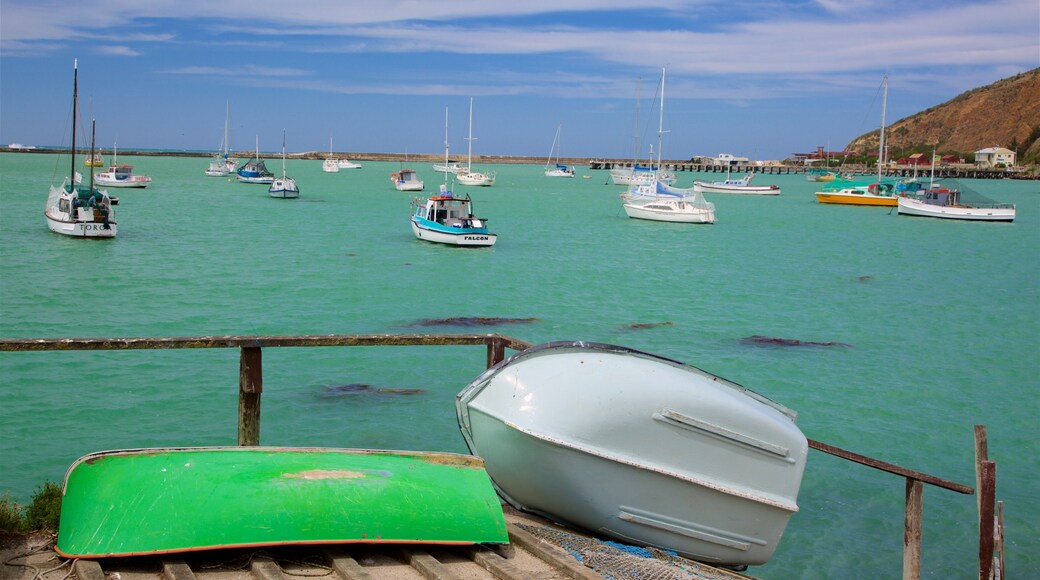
[
  {"x": 284, "y": 187},
  {"x": 446, "y": 219},
  {"x": 331, "y": 164},
  {"x": 222, "y": 164},
  {"x": 876, "y": 193},
  {"x": 255, "y": 171},
  {"x": 640, "y": 173},
  {"x": 470, "y": 177},
  {"x": 557, "y": 170},
  {"x": 73, "y": 210},
  {"x": 654, "y": 199},
  {"x": 121, "y": 175}
]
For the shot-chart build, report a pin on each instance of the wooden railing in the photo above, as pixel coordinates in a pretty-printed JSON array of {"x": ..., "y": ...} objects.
[{"x": 250, "y": 389}]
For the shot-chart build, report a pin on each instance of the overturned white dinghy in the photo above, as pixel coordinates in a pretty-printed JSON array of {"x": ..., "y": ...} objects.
[{"x": 639, "y": 448}]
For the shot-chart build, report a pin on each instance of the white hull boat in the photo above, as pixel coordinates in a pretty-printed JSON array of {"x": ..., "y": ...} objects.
[
  {"x": 223, "y": 164},
  {"x": 406, "y": 180},
  {"x": 284, "y": 187},
  {"x": 639, "y": 448},
  {"x": 446, "y": 219},
  {"x": 74, "y": 210},
  {"x": 553, "y": 167},
  {"x": 944, "y": 203},
  {"x": 348, "y": 164},
  {"x": 447, "y": 167},
  {"x": 467, "y": 176},
  {"x": 676, "y": 209},
  {"x": 330, "y": 165},
  {"x": 740, "y": 186}
]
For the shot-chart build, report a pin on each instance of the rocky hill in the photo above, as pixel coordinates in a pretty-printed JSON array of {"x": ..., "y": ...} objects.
[{"x": 1005, "y": 113}]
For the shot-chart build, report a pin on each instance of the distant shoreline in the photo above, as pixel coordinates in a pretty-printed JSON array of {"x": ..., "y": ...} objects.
[{"x": 318, "y": 155}]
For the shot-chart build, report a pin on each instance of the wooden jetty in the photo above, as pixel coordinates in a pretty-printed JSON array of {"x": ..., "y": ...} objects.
[
  {"x": 524, "y": 560},
  {"x": 948, "y": 172}
]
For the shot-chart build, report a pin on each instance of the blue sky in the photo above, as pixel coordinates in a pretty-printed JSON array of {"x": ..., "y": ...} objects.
[{"x": 762, "y": 79}]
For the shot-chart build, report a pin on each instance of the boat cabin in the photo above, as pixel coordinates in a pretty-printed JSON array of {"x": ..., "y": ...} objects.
[{"x": 451, "y": 211}]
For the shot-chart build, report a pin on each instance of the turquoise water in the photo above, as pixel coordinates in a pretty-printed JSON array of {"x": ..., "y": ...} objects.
[{"x": 942, "y": 319}]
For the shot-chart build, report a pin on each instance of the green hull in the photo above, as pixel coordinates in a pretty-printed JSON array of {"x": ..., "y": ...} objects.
[{"x": 152, "y": 501}]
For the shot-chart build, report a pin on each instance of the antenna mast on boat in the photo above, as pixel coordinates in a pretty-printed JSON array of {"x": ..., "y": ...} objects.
[
  {"x": 445, "y": 146},
  {"x": 92, "y": 125}
]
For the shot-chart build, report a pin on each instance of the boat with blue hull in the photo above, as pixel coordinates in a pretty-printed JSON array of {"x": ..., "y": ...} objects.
[
  {"x": 255, "y": 171},
  {"x": 446, "y": 219}
]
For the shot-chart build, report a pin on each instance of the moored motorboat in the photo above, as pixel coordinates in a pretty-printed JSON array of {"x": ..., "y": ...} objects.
[
  {"x": 639, "y": 448},
  {"x": 738, "y": 186},
  {"x": 406, "y": 180},
  {"x": 881, "y": 193},
  {"x": 949, "y": 203},
  {"x": 446, "y": 219},
  {"x": 72, "y": 209},
  {"x": 121, "y": 175},
  {"x": 160, "y": 501}
]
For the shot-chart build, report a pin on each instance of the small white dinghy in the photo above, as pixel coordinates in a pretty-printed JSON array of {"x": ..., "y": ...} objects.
[{"x": 639, "y": 448}]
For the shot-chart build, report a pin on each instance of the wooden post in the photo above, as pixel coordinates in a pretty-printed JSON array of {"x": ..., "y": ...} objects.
[
  {"x": 981, "y": 454},
  {"x": 496, "y": 351},
  {"x": 987, "y": 494},
  {"x": 250, "y": 387},
  {"x": 913, "y": 524},
  {"x": 1000, "y": 573}
]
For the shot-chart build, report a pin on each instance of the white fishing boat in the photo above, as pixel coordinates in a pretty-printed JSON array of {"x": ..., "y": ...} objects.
[
  {"x": 639, "y": 448},
  {"x": 223, "y": 164},
  {"x": 553, "y": 167},
  {"x": 448, "y": 167},
  {"x": 951, "y": 203},
  {"x": 468, "y": 176},
  {"x": 653, "y": 199},
  {"x": 446, "y": 219},
  {"x": 740, "y": 186},
  {"x": 121, "y": 175},
  {"x": 74, "y": 210},
  {"x": 406, "y": 180},
  {"x": 255, "y": 171},
  {"x": 348, "y": 164},
  {"x": 284, "y": 187}
]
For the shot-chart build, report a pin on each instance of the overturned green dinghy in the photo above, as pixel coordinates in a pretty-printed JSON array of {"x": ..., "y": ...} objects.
[{"x": 154, "y": 501}]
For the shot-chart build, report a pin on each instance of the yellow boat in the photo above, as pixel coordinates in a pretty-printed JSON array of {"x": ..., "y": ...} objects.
[{"x": 874, "y": 194}]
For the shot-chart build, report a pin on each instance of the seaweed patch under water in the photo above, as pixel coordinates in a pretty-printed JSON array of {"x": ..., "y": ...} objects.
[
  {"x": 363, "y": 388},
  {"x": 645, "y": 325},
  {"x": 471, "y": 321},
  {"x": 760, "y": 340}
]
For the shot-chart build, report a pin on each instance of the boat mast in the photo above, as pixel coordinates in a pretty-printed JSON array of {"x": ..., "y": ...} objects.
[
  {"x": 227, "y": 116},
  {"x": 75, "y": 98},
  {"x": 92, "y": 124},
  {"x": 469, "y": 159},
  {"x": 881, "y": 140},
  {"x": 283, "y": 153},
  {"x": 445, "y": 147},
  {"x": 660, "y": 124}
]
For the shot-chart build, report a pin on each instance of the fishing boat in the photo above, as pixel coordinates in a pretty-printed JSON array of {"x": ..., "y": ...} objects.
[
  {"x": 330, "y": 164},
  {"x": 739, "y": 186},
  {"x": 638, "y": 448},
  {"x": 406, "y": 180},
  {"x": 94, "y": 160},
  {"x": 222, "y": 163},
  {"x": 446, "y": 219},
  {"x": 950, "y": 203},
  {"x": 255, "y": 171},
  {"x": 159, "y": 501},
  {"x": 553, "y": 167},
  {"x": 121, "y": 175},
  {"x": 468, "y": 176},
  {"x": 74, "y": 210},
  {"x": 284, "y": 187},
  {"x": 878, "y": 193}
]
